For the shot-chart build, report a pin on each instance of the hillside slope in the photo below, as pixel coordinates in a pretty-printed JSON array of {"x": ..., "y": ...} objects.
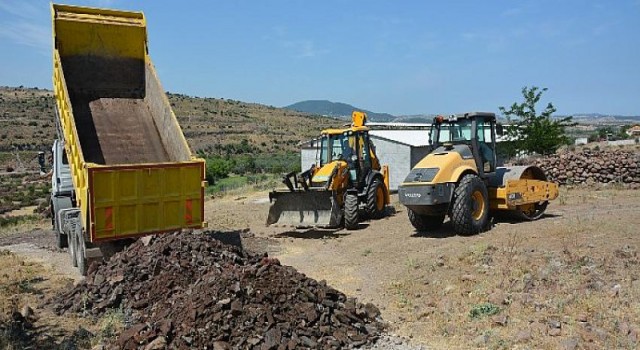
[{"x": 212, "y": 126}]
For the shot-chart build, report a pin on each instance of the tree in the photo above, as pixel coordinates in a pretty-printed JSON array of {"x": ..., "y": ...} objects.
[
  {"x": 535, "y": 133},
  {"x": 217, "y": 168}
]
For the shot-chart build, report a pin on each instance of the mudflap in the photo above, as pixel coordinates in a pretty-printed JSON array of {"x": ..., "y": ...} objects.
[{"x": 304, "y": 209}]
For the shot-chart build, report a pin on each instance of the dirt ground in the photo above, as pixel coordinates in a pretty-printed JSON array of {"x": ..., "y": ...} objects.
[{"x": 570, "y": 280}]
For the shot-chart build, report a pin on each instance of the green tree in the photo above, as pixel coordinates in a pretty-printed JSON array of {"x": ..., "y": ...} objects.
[
  {"x": 217, "y": 168},
  {"x": 532, "y": 132}
]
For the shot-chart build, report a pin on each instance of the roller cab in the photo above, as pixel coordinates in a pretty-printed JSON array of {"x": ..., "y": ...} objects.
[{"x": 460, "y": 179}]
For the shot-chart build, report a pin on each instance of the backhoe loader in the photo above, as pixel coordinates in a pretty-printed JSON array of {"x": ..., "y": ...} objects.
[
  {"x": 347, "y": 182},
  {"x": 460, "y": 179}
]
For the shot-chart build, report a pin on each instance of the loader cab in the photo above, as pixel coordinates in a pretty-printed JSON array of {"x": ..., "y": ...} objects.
[
  {"x": 472, "y": 135},
  {"x": 351, "y": 146}
]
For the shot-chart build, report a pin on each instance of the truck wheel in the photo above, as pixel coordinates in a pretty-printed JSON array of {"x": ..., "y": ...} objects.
[
  {"x": 375, "y": 199},
  {"x": 81, "y": 255},
  {"x": 470, "y": 212},
  {"x": 351, "y": 211},
  {"x": 425, "y": 222},
  {"x": 71, "y": 238},
  {"x": 61, "y": 240}
]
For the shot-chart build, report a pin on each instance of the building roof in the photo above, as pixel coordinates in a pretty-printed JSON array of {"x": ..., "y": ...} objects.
[
  {"x": 415, "y": 138},
  {"x": 409, "y": 137}
]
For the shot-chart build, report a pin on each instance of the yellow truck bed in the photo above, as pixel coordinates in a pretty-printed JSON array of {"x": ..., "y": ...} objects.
[{"x": 132, "y": 170}]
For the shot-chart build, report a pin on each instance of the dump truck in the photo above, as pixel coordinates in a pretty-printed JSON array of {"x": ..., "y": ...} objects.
[
  {"x": 460, "y": 178},
  {"x": 122, "y": 168},
  {"x": 347, "y": 185}
]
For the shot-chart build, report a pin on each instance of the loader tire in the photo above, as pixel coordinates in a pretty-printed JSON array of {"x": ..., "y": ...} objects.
[
  {"x": 351, "y": 211},
  {"x": 470, "y": 211},
  {"x": 425, "y": 222},
  {"x": 376, "y": 194}
]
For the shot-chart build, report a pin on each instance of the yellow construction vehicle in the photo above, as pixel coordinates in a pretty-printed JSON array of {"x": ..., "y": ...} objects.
[
  {"x": 122, "y": 167},
  {"x": 349, "y": 180},
  {"x": 459, "y": 178}
]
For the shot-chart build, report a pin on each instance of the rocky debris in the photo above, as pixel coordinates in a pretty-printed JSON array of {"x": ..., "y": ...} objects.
[
  {"x": 192, "y": 291},
  {"x": 593, "y": 166}
]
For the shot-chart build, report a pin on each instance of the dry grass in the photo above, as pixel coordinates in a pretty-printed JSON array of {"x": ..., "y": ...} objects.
[
  {"x": 26, "y": 284},
  {"x": 580, "y": 283}
]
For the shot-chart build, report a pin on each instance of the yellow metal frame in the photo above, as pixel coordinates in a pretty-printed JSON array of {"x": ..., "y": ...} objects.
[
  {"x": 120, "y": 201},
  {"x": 521, "y": 192}
]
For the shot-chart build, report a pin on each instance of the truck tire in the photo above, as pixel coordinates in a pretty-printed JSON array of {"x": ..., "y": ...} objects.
[
  {"x": 72, "y": 249},
  {"x": 61, "y": 238},
  {"x": 351, "y": 211},
  {"x": 376, "y": 194},
  {"x": 470, "y": 211},
  {"x": 425, "y": 222},
  {"x": 81, "y": 255}
]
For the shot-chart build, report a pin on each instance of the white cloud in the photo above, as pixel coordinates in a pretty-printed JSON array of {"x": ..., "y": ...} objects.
[
  {"x": 28, "y": 23},
  {"x": 29, "y": 34},
  {"x": 302, "y": 48}
]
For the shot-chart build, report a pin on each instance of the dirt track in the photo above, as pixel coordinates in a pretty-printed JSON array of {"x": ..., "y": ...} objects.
[{"x": 571, "y": 277}]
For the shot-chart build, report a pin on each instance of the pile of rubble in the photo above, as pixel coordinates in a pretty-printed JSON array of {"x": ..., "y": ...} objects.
[
  {"x": 593, "y": 166},
  {"x": 191, "y": 291}
]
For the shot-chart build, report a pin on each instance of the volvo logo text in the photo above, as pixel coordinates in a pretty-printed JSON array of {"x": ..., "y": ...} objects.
[{"x": 413, "y": 195}]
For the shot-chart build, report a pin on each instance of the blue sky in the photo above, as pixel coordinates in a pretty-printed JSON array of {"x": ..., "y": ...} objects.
[{"x": 400, "y": 57}]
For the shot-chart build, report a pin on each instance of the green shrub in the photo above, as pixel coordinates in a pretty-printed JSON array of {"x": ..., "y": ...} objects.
[{"x": 482, "y": 310}]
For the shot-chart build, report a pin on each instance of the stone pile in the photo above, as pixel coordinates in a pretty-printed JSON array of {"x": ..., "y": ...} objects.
[
  {"x": 593, "y": 166},
  {"x": 191, "y": 291}
]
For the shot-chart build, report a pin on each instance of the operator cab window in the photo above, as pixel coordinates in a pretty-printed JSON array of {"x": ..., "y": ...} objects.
[{"x": 483, "y": 134}]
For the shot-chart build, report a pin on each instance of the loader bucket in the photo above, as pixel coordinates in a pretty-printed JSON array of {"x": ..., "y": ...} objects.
[{"x": 304, "y": 209}]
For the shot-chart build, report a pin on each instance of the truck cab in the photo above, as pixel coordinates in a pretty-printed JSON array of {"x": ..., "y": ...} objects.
[{"x": 61, "y": 189}]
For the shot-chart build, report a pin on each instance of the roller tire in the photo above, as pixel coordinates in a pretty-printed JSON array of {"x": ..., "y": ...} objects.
[
  {"x": 351, "y": 218},
  {"x": 537, "y": 214},
  {"x": 425, "y": 222},
  {"x": 470, "y": 211},
  {"x": 376, "y": 189}
]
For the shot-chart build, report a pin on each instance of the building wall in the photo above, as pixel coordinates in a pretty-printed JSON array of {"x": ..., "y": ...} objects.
[
  {"x": 308, "y": 156},
  {"x": 397, "y": 156}
]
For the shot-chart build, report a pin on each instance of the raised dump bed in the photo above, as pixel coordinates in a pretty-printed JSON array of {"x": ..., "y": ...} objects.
[{"x": 132, "y": 170}]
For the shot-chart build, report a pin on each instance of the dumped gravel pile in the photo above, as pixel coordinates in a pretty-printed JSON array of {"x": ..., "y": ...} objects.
[
  {"x": 191, "y": 291},
  {"x": 592, "y": 166}
]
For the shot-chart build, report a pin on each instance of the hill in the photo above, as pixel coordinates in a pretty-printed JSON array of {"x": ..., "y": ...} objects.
[
  {"x": 212, "y": 126},
  {"x": 336, "y": 109}
]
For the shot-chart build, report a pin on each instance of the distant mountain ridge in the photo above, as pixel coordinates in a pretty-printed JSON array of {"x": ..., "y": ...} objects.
[{"x": 337, "y": 110}]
